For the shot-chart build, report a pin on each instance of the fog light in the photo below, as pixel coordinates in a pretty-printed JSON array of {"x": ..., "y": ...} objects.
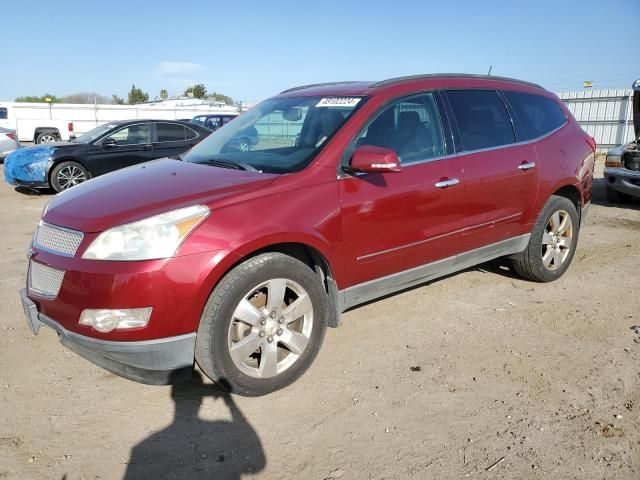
[{"x": 105, "y": 320}]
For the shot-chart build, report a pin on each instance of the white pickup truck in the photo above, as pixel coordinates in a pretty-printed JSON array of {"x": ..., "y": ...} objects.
[{"x": 52, "y": 122}]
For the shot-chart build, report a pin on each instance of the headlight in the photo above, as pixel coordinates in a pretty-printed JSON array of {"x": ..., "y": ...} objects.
[{"x": 151, "y": 238}]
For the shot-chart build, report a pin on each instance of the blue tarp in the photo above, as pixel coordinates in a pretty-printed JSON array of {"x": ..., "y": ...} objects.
[{"x": 28, "y": 165}]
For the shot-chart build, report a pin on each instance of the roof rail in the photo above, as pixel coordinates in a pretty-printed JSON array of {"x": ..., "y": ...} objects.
[
  {"x": 395, "y": 80},
  {"x": 326, "y": 84}
]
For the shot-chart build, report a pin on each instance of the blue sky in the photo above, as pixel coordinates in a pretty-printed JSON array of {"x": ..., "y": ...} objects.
[{"x": 253, "y": 49}]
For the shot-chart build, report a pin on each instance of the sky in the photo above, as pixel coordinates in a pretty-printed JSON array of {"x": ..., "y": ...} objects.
[{"x": 252, "y": 50}]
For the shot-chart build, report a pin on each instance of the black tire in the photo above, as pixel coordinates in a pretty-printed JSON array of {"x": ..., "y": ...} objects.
[
  {"x": 613, "y": 196},
  {"x": 212, "y": 343},
  {"x": 73, "y": 170},
  {"x": 530, "y": 264},
  {"x": 47, "y": 137}
]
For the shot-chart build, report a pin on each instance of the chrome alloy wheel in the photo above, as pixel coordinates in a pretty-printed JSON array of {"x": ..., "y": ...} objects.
[
  {"x": 47, "y": 138},
  {"x": 557, "y": 240},
  {"x": 270, "y": 328},
  {"x": 70, "y": 176}
]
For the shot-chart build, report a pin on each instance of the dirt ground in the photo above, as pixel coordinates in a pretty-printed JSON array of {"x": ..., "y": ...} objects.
[{"x": 441, "y": 381}]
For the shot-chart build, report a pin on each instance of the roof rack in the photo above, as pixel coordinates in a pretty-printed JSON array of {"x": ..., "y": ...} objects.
[
  {"x": 326, "y": 84},
  {"x": 395, "y": 80}
]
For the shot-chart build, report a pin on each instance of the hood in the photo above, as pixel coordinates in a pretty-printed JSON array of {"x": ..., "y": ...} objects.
[
  {"x": 636, "y": 108},
  {"x": 141, "y": 191}
]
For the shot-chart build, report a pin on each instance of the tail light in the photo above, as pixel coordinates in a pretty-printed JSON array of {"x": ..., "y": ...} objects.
[
  {"x": 70, "y": 126},
  {"x": 591, "y": 142},
  {"x": 12, "y": 136}
]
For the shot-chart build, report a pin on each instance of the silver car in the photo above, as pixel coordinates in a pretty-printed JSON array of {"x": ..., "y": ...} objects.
[
  {"x": 622, "y": 171},
  {"x": 8, "y": 142}
]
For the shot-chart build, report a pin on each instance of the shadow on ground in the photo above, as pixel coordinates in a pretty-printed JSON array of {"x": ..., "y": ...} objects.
[
  {"x": 599, "y": 196},
  {"x": 193, "y": 448}
]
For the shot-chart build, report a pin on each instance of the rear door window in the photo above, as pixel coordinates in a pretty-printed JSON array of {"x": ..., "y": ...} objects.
[
  {"x": 4, "y": 114},
  {"x": 482, "y": 118},
  {"x": 538, "y": 115},
  {"x": 170, "y": 132}
]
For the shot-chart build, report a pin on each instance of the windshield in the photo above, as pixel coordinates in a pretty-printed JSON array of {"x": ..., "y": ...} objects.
[
  {"x": 91, "y": 135},
  {"x": 279, "y": 135}
]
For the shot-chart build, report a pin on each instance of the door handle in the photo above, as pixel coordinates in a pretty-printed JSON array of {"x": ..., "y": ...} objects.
[
  {"x": 447, "y": 183},
  {"x": 527, "y": 165},
  {"x": 148, "y": 147}
]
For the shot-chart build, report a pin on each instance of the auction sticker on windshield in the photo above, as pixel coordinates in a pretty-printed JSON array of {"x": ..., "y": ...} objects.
[{"x": 338, "y": 102}]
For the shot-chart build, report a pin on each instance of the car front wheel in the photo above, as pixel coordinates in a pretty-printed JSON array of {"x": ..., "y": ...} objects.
[
  {"x": 68, "y": 174},
  {"x": 552, "y": 243},
  {"x": 263, "y": 325}
]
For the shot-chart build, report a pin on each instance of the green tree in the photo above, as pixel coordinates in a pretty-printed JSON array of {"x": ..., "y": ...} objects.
[
  {"x": 38, "y": 99},
  {"x": 220, "y": 97},
  {"x": 136, "y": 95},
  {"x": 117, "y": 100},
  {"x": 164, "y": 94},
  {"x": 198, "y": 91}
]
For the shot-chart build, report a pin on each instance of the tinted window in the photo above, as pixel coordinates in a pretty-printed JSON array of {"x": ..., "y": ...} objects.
[
  {"x": 190, "y": 134},
  {"x": 3, "y": 114},
  {"x": 482, "y": 118},
  {"x": 132, "y": 135},
  {"x": 410, "y": 127},
  {"x": 226, "y": 120},
  {"x": 538, "y": 115},
  {"x": 170, "y": 132},
  {"x": 213, "y": 123},
  {"x": 198, "y": 120}
]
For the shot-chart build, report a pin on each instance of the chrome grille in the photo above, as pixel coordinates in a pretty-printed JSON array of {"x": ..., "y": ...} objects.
[
  {"x": 43, "y": 280},
  {"x": 58, "y": 240}
]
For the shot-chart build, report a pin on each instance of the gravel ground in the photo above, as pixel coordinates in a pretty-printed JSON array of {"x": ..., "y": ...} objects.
[{"x": 441, "y": 381}]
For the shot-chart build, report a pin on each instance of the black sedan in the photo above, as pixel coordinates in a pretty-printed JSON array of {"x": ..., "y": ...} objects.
[{"x": 106, "y": 148}]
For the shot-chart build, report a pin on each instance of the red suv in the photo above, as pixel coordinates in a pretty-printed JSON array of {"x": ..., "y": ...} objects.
[{"x": 238, "y": 259}]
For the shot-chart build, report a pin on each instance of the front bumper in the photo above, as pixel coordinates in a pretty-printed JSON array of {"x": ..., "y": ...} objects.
[
  {"x": 155, "y": 362},
  {"x": 623, "y": 180}
]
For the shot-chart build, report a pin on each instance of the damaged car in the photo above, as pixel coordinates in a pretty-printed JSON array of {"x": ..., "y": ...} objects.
[
  {"x": 622, "y": 166},
  {"x": 109, "y": 147}
]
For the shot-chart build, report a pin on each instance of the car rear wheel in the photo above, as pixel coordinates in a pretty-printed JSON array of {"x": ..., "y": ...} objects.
[
  {"x": 263, "y": 325},
  {"x": 68, "y": 174},
  {"x": 47, "y": 137},
  {"x": 552, "y": 244},
  {"x": 613, "y": 196}
]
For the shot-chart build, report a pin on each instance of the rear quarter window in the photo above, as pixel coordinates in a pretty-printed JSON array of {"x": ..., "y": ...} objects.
[
  {"x": 4, "y": 114},
  {"x": 482, "y": 118},
  {"x": 538, "y": 115}
]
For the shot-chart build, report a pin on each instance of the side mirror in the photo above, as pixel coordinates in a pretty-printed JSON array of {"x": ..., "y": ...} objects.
[
  {"x": 293, "y": 114},
  {"x": 108, "y": 143},
  {"x": 371, "y": 159}
]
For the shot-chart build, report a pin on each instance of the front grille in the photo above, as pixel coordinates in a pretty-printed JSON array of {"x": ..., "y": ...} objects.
[
  {"x": 44, "y": 281},
  {"x": 58, "y": 240}
]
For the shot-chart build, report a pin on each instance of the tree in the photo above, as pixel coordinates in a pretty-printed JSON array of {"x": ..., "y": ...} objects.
[
  {"x": 198, "y": 91},
  {"x": 86, "y": 97},
  {"x": 219, "y": 97},
  {"x": 37, "y": 99},
  {"x": 164, "y": 94},
  {"x": 136, "y": 95},
  {"x": 117, "y": 100}
]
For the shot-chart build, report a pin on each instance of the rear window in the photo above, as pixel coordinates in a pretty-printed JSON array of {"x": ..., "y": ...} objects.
[
  {"x": 170, "y": 132},
  {"x": 3, "y": 114},
  {"x": 538, "y": 115},
  {"x": 482, "y": 118}
]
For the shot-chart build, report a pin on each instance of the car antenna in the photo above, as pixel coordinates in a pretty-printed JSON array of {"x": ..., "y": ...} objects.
[{"x": 490, "y": 68}]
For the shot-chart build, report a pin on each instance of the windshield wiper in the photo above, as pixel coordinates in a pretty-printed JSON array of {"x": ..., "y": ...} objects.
[{"x": 231, "y": 164}]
